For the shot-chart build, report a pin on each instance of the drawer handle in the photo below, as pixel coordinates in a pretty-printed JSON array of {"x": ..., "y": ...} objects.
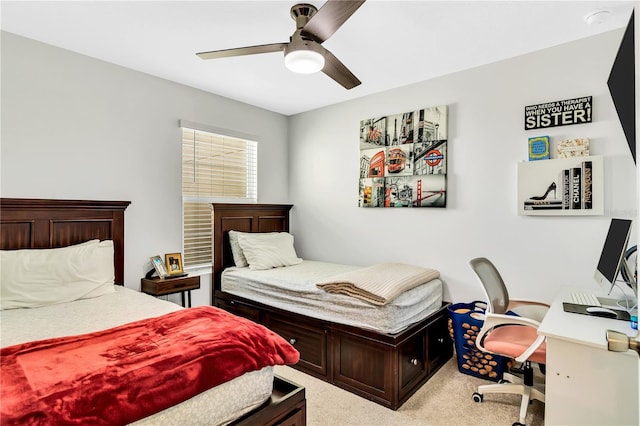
[
  {"x": 293, "y": 341},
  {"x": 441, "y": 340},
  {"x": 413, "y": 361}
]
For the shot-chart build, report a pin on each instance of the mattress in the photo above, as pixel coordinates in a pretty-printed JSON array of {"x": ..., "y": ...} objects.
[
  {"x": 293, "y": 288},
  {"x": 218, "y": 405}
]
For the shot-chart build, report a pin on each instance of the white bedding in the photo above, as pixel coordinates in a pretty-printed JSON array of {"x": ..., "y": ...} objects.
[
  {"x": 218, "y": 405},
  {"x": 293, "y": 288}
]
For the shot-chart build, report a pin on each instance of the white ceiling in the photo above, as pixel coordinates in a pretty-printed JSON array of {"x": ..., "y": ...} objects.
[{"x": 386, "y": 44}]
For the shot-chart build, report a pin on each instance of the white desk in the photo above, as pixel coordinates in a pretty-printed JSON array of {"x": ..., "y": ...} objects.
[{"x": 585, "y": 383}]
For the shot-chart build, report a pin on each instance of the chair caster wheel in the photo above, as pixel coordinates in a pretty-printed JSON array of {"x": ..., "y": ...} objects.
[
  {"x": 477, "y": 397},
  {"x": 518, "y": 424}
]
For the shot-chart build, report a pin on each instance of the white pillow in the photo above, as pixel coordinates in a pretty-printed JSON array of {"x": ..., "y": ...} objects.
[
  {"x": 268, "y": 250},
  {"x": 238, "y": 256},
  {"x": 32, "y": 278}
]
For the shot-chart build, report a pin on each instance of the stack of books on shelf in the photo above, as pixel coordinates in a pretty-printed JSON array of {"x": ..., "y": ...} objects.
[{"x": 575, "y": 191}]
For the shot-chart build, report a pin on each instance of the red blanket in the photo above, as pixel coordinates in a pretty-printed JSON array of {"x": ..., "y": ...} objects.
[{"x": 123, "y": 374}]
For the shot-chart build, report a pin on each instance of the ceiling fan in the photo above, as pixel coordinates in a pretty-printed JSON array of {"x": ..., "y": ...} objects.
[{"x": 304, "y": 52}]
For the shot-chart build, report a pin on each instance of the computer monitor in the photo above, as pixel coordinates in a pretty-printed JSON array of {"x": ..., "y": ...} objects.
[{"x": 612, "y": 258}]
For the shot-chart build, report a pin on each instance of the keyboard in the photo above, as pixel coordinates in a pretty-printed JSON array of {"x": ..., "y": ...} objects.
[{"x": 586, "y": 299}]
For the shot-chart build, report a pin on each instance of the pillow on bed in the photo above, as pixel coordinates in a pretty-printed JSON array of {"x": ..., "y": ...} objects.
[
  {"x": 268, "y": 250},
  {"x": 238, "y": 256},
  {"x": 33, "y": 278}
]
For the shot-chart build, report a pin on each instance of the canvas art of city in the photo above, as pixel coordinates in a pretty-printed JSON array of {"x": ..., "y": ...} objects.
[{"x": 403, "y": 159}]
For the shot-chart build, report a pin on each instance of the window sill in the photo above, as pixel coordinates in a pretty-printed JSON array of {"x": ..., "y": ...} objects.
[{"x": 199, "y": 270}]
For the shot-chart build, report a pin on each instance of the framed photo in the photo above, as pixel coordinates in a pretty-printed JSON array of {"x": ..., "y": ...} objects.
[
  {"x": 159, "y": 266},
  {"x": 174, "y": 263}
]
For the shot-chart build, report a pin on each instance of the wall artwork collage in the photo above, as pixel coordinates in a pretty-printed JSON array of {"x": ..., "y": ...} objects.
[{"x": 403, "y": 159}]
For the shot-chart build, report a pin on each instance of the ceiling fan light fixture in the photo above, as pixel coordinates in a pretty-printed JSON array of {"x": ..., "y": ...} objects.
[
  {"x": 304, "y": 61},
  {"x": 304, "y": 57}
]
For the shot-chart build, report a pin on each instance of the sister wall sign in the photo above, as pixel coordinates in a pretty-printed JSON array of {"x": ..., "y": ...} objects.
[{"x": 558, "y": 113}]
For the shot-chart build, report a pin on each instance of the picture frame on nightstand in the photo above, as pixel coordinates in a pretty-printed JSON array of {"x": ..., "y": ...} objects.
[
  {"x": 159, "y": 266},
  {"x": 174, "y": 263}
]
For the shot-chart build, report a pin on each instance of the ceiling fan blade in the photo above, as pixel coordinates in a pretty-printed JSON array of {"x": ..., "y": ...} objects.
[
  {"x": 337, "y": 71},
  {"x": 242, "y": 51},
  {"x": 329, "y": 18}
]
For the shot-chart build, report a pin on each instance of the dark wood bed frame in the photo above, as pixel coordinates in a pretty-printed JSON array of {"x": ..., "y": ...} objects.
[
  {"x": 384, "y": 368},
  {"x": 43, "y": 223}
]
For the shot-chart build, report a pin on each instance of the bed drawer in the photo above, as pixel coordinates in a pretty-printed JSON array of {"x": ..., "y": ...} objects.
[
  {"x": 412, "y": 365},
  {"x": 310, "y": 341},
  {"x": 239, "y": 308},
  {"x": 439, "y": 343},
  {"x": 363, "y": 366}
]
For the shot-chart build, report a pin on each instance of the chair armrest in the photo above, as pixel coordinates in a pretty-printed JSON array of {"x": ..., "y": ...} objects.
[
  {"x": 492, "y": 321},
  {"x": 534, "y": 346}
]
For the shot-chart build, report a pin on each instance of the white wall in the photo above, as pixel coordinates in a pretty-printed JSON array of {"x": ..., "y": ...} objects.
[
  {"x": 74, "y": 127},
  {"x": 77, "y": 128},
  {"x": 535, "y": 255}
]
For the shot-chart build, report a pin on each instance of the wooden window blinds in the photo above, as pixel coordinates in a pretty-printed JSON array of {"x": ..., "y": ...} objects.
[{"x": 215, "y": 168}]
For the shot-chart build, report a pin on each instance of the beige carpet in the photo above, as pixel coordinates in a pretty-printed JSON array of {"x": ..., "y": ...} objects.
[{"x": 443, "y": 400}]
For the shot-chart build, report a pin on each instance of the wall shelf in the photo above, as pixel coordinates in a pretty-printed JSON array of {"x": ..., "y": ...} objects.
[{"x": 570, "y": 186}]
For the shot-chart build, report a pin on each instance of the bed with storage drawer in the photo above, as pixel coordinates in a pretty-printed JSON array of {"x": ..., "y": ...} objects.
[
  {"x": 78, "y": 347},
  {"x": 382, "y": 351}
]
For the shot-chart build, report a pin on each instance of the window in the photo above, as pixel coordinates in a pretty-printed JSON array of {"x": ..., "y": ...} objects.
[{"x": 215, "y": 168}]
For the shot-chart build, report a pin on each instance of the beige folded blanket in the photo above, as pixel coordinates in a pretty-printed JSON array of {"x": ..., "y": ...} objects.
[{"x": 378, "y": 284}]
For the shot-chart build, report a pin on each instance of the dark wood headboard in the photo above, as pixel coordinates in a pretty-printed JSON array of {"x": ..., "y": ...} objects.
[
  {"x": 40, "y": 224},
  {"x": 243, "y": 218}
]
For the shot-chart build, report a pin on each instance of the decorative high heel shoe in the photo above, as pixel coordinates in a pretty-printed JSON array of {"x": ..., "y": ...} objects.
[{"x": 551, "y": 187}]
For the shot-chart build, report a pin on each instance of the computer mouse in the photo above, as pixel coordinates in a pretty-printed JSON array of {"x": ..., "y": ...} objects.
[{"x": 601, "y": 312}]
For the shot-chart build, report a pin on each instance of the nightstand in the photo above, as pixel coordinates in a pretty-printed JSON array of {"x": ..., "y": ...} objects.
[{"x": 161, "y": 287}]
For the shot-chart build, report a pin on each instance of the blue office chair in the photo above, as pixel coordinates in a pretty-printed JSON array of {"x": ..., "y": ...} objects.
[{"x": 511, "y": 336}]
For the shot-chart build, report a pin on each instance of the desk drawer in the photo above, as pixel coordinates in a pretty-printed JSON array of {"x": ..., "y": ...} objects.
[{"x": 161, "y": 287}]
